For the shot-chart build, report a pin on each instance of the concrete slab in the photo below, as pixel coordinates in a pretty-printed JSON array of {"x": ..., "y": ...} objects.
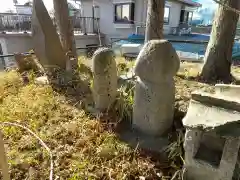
[
  {"x": 228, "y": 90},
  {"x": 207, "y": 111}
]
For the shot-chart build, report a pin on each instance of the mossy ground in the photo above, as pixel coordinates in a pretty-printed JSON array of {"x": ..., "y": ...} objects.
[{"x": 83, "y": 147}]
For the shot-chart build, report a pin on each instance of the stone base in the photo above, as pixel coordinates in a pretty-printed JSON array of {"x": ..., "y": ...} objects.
[
  {"x": 212, "y": 139},
  {"x": 137, "y": 139}
]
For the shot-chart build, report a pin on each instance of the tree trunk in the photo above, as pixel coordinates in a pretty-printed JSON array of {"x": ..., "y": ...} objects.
[
  {"x": 65, "y": 27},
  {"x": 218, "y": 56},
  {"x": 155, "y": 20}
]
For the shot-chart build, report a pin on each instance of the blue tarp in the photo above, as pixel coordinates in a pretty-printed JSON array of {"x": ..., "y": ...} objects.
[{"x": 185, "y": 47}]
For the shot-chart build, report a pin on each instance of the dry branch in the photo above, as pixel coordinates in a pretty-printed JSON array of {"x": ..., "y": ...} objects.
[
  {"x": 38, "y": 138},
  {"x": 226, "y": 6}
]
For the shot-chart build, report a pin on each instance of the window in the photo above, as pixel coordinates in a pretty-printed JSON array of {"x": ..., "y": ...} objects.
[
  {"x": 166, "y": 15},
  {"x": 190, "y": 16},
  {"x": 124, "y": 13},
  {"x": 186, "y": 16}
]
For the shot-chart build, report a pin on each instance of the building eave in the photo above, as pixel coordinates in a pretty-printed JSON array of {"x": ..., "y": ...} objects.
[
  {"x": 187, "y": 2},
  {"x": 190, "y": 3},
  {"x": 22, "y": 5}
]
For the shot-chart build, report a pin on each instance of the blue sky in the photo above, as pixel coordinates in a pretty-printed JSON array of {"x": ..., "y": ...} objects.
[
  {"x": 8, "y": 4},
  {"x": 206, "y": 13},
  {"x": 207, "y": 3}
]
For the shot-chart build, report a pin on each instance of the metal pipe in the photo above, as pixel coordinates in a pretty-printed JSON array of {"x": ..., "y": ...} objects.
[{"x": 27, "y": 53}]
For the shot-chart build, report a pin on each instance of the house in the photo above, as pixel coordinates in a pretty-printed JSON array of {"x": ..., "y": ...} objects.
[
  {"x": 20, "y": 19},
  {"x": 120, "y": 18}
]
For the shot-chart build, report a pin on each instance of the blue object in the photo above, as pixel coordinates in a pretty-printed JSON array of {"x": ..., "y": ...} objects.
[
  {"x": 181, "y": 46},
  {"x": 136, "y": 38}
]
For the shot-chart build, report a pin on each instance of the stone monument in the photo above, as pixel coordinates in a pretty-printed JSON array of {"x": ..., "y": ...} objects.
[
  {"x": 46, "y": 42},
  {"x": 104, "y": 78},
  {"x": 154, "y": 98},
  {"x": 212, "y": 138},
  {"x": 3, "y": 160}
]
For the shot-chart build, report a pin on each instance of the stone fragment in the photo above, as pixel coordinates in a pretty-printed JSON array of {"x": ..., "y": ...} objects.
[
  {"x": 104, "y": 78},
  {"x": 154, "y": 97},
  {"x": 46, "y": 42},
  {"x": 43, "y": 80}
]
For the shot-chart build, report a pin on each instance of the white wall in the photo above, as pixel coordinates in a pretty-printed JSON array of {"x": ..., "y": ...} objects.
[
  {"x": 24, "y": 10},
  {"x": 13, "y": 43},
  {"x": 19, "y": 43},
  {"x": 175, "y": 12},
  {"x": 4, "y": 45},
  {"x": 174, "y": 16},
  {"x": 107, "y": 25},
  {"x": 4, "y": 50},
  {"x": 112, "y": 30},
  {"x": 82, "y": 41}
]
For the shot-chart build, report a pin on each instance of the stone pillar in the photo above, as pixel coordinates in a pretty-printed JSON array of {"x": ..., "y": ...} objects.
[
  {"x": 3, "y": 160},
  {"x": 104, "y": 78},
  {"x": 154, "y": 98}
]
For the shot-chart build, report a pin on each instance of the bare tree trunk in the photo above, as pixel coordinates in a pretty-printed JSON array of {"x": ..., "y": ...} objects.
[
  {"x": 218, "y": 55},
  {"x": 65, "y": 27},
  {"x": 155, "y": 20}
]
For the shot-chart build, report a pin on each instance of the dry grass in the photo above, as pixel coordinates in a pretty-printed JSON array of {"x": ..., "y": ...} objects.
[{"x": 83, "y": 147}]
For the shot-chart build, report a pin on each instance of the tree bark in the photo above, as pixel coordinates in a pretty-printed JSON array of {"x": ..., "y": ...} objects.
[
  {"x": 155, "y": 20},
  {"x": 65, "y": 27},
  {"x": 218, "y": 56}
]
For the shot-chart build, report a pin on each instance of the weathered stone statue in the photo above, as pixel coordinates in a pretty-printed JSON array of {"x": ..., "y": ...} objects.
[
  {"x": 104, "y": 78},
  {"x": 46, "y": 42},
  {"x": 154, "y": 98}
]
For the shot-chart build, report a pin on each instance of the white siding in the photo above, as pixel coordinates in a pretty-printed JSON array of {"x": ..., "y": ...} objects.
[
  {"x": 112, "y": 30},
  {"x": 175, "y": 12},
  {"x": 87, "y": 8},
  {"x": 107, "y": 25},
  {"x": 4, "y": 51},
  {"x": 4, "y": 45},
  {"x": 21, "y": 43},
  {"x": 13, "y": 43},
  {"x": 24, "y": 10},
  {"x": 16, "y": 44}
]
